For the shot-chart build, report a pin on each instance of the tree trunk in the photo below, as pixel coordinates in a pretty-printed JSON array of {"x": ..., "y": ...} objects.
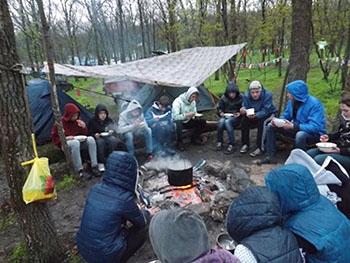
[
  {"x": 300, "y": 40},
  {"x": 42, "y": 243}
]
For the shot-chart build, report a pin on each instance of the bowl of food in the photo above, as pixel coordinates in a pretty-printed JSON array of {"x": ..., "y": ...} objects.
[
  {"x": 198, "y": 115},
  {"x": 104, "y": 133},
  {"x": 279, "y": 122},
  {"x": 80, "y": 138},
  {"x": 326, "y": 146},
  {"x": 225, "y": 241},
  {"x": 250, "y": 111},
  {"x": 228, "y": 115}
]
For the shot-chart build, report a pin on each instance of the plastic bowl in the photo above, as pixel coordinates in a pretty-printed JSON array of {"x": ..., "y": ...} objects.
[
  {"x": 250, "y": 111},
  {"x": 325, "y": 146},
  {"x": 80, "y": 138},
  {"x": 104, "y": 133},
  {"x": 279, "y": 122},
  {"x": 228, "y": 115},
  {"x": 225, "y": 241},
  {"x": 198, "y": 115}
]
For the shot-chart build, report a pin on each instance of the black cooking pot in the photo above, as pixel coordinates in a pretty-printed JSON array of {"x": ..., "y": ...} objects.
[{"x": 180, "y": 177}]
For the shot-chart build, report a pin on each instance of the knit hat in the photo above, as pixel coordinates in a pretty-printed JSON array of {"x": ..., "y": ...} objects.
[
  {"x": 255, "y": 85},
  {"x": 178, "y": 235}
]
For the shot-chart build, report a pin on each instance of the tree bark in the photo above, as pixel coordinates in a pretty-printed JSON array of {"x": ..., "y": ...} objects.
[{"x": 41, "y": 241}]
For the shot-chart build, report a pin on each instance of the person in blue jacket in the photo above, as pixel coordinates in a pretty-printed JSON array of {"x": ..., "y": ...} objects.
[
  {"x": 261, "y": 100},
  {"x": 304, "y": 120},
  {"x": 158, "y": 118},
  {"x": 254, "y": 221},
  {"x": 322, "y": 231},
  {"x": 113, "y": 227}
]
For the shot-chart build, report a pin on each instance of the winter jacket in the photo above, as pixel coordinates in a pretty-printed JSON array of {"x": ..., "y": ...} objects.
[
  {"x": 342, "y": 136},
  {"x": 263, "y": 106},
  {"x": 254, "y": 220},
  {"x": 181, "y": 105},
  {"x": 110, "y": 203},
  {"x": 310, "y": 215},
  {"x": 127, "y": 121},
  {"x": 70, "y": 128},
  {"x": 228, "y": 105},
  {"x": 310, "y": 115},
  {"x": 96, "y": 125},
  {"x": 153, "y": 112}
]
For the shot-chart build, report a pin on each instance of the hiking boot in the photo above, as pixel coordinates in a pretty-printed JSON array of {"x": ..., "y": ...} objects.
[
  {"x": 257, "y": 152},
  {"x": 219, "y": 146},
  {"x": 149, "y": 158},
  {"x": 267, "y": 160},
  {"x": 101, "y": 167},
  {"x": 96, "y": 172},
  {"x": 230, "y": 149},
  {"x": 83, "y": 174},
  {"x": 244, "y": 149}
]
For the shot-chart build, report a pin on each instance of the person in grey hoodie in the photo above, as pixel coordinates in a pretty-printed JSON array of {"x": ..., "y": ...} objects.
[
  {"x": 184, "y": 111},
  {"x": 132, "y": 124},
  {"x": 180, "y": 236}
]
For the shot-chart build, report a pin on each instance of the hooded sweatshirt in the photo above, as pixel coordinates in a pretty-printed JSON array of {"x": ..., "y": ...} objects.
[
  {"x": 228, "y": 105},
  {"x": 182, "y": 105},
  {"x": 310, "y": 113},
  {"x": 127, "y": 121},
  {"x": 70, "y": 127},
  {"x": 101, "y": 236},
  {"x": 254, "y": 220},
  {"x": 263, "y": 106},
  {"x": 311, "y": 215},
  {"x": 96, "y": 125}
]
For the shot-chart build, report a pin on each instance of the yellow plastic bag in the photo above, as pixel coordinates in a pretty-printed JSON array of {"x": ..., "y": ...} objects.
[{"x": 39, "y": 185}]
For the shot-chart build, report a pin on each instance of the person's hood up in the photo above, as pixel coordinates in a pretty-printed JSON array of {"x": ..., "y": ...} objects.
[
  {"x": 231, "y": 87},
  {"x": 254, "y": 209},
  {"x": 121, "y": 170},
  {"x": 69, "y": 110},
  {"x": 294, "y": 186},
  {"x": 133, "y": 104},
  {"x": 190, "y": 91},
  {"x": 99, "y": 108},
  {"x": 299, "y": 90},
  {"x": 178, "y": 235}
]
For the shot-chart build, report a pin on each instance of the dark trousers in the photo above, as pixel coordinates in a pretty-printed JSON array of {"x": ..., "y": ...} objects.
[
  {"x": 248, "y": 124},
  {"x": 197, "y": 124},
  {"x": 134, "y": 240}
]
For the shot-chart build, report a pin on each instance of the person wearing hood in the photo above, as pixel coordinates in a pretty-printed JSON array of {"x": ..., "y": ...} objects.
[
  {"x": 132, "y": 124},
  {"x": 112, "y": 226},
  {"x": 341, "y": 137},
  {"x": 228, "y": 110},
  {"x": 322, "y": 231},
  {"x": 180, "y": 236},
  {"x": 103, "y": 129},
  {"x": 184, "y": 112},
  {"x": 73, "y": 126},
  {"x": 158, "y": 118},
  {"x": 254, "y": 221},
  {"x": 304, "y": 121},
  {"x": 257, "y": 110}
]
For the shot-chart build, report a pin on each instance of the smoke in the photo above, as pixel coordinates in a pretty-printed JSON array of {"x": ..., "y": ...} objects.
[{"x": 162, "y": 163}]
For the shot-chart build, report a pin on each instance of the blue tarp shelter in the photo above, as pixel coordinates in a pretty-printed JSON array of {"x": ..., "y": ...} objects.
[{"x": 38, "y": 91}]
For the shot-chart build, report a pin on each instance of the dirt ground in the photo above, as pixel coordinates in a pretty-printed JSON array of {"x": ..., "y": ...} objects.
[{"x": 67, "y": 208}]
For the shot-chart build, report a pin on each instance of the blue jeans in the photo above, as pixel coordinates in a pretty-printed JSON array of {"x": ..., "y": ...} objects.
[
  {"x": 320, "y": 156},
  {"x": 129, "y": 139},
  {"x": 228, "y": 124},
  {"x": 75, "y": 146},
  {"x": 105, "y": 145},
  {"x": 301, "y": 138}
]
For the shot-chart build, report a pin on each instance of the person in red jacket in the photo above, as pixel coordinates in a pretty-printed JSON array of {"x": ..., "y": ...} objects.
[{"x": 74, "y": 126}]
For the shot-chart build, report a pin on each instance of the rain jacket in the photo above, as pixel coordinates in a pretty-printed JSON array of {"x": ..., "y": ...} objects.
[
  {"x": 263, "y": 106},
  {"x": 102, "y": 232},
  {"x": 311, "y": 215},
  {"x": 70, "y": 128},
  {"x": 254, "y": 220},
  {"x": 310, "y": 115},
  {"x": 96, "y": 125},
  {"x": 127, "y": 121},
  {"x": 181, "y": 105},
  {"x": 228, "y": 105}
]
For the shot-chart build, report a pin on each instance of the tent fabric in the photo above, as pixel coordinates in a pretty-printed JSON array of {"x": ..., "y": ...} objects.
[
  {"x": 185, "y": 68},
  {"x": 150, "y": 93},
  {"x": 38, "y": 91}
]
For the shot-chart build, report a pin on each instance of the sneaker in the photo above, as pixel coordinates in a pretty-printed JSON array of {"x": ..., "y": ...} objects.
[
  {"x": 83, "y": 174},
  {"x": 230, "y": 149},
  {"x": 96, "y": 172},
  {"x": 101, "y": 167},
  {"x": 219, "y": 146},
  {"x": 266, "y": 160},
  {"x": 244, "y": 149},
  {"x": 149, "y": 158},
  {"x": 257, "y": 152}
]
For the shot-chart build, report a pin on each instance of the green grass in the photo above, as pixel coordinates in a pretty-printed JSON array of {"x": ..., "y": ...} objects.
[{"x": 66, "y": 184}]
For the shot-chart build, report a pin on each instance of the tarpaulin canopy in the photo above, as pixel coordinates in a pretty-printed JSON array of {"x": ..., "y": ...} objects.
[{"x": 185, "y": 68}]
